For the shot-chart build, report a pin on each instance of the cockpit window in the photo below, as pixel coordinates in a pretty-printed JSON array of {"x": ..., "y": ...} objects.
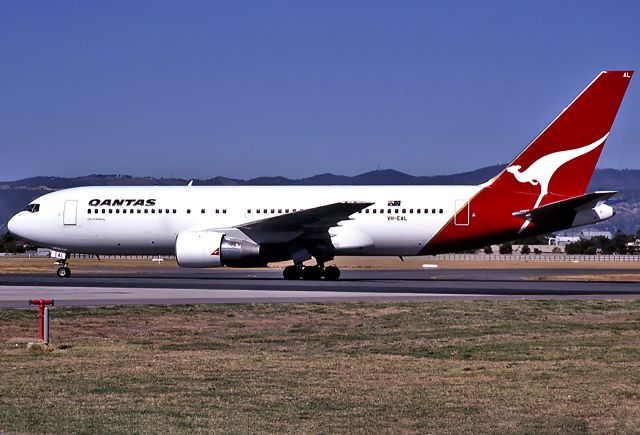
[{"x": 33, "y": 208}]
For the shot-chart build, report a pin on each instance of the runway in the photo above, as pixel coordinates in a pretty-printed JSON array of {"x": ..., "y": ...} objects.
[{"x": 183, "y": 286}]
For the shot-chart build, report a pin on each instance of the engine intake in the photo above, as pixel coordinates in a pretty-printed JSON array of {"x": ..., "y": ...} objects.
[{"x": 213, "y": 249}]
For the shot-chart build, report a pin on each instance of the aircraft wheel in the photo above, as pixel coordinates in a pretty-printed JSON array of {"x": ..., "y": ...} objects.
[
  {"x": 291, "y": 272},
  {"x": 331, "y": 273},
  {"x": 312, "y": 272},
  {"x": 63, "y": 272}
]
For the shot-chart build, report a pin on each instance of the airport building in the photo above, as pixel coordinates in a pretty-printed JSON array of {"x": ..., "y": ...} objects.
[{"x": 564, "y": 238}]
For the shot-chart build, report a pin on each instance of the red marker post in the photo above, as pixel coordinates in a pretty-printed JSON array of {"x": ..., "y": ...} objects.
[{"x": 42, "y": 303}]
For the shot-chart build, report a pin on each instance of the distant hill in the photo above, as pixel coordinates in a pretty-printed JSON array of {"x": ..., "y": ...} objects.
[
  {"x": 15, "y": 195},
  {"x": 377, "y": 178}
]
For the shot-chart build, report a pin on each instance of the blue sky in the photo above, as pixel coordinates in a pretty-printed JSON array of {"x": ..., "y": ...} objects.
[{"x": 296, "y": 88}]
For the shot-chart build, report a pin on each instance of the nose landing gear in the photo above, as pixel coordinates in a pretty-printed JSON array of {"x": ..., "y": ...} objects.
[
  {"x": 63, "y": 271},
  {"x": 299, "y": 270}
]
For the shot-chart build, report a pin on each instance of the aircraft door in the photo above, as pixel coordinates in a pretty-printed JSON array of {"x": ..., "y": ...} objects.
[
  {"x": 461, "y": 218},
  {"x": 69, "y": 215}
]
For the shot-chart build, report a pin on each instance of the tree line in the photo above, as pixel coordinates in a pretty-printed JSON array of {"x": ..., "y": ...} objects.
[
  {"x": 14, "y": 245},
  {"x": 620, "y": 243}
]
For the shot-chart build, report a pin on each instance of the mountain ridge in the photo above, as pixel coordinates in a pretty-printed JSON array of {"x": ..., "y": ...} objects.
[
  {"x": 15, "y": 195},
  {"x": 375, "y": 177}
]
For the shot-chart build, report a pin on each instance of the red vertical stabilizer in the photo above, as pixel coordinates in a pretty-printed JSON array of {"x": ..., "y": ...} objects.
[{"x": 557, "y": 165}]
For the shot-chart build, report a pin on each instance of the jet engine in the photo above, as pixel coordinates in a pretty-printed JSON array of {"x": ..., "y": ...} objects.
[{"x": 213, "y": 249}]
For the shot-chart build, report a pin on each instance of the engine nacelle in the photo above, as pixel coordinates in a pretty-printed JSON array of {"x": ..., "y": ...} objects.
[
  {"x": 213, "y": 249},
  {"x": 199, "y": 249}
]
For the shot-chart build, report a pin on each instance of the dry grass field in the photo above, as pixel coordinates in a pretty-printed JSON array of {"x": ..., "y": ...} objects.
[
  {"x": 446, "y": 367},
  {"x": 596, "y": 277},
  {"x": 92, "y": 265}
]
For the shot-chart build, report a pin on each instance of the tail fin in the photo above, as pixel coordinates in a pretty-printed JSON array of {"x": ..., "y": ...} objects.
[
  {"x": 554, "y": 169},
  {"x": 559, "y": 162}
]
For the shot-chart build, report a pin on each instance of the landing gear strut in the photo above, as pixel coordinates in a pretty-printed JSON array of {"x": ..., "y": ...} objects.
[
  {"x": 297, "y": 271},
  {"x": 63, "y": 271}
]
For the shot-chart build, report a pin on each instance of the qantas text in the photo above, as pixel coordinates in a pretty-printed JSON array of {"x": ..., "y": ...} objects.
[{"x": 125, "y": 202}]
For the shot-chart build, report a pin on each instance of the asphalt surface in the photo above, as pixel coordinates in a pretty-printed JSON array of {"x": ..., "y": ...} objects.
[{"x": 185, "y": 286}]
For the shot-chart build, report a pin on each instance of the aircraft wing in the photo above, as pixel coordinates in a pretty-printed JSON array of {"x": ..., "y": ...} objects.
[
  {"x": 572, "y": 205},
  {"x": 309, "y": 224}
]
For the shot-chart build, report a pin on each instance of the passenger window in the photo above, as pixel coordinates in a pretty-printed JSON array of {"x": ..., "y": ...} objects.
[
  {"x": 265, "y": 210},
  {"x": 273, "y": 210},
  {"x": 166, "y": 210},
  {"x": 124, "y": 211},
  {"x": 441, "y": 211},
  {"x": 258, "y": 210},
  {"x": 433, "y": 210},
  {"x": 175, "y": 211},
  {"x": 286, "y": 210},
  {"x": 117, "y": 211},
  {"x": 89, "y": 211},
  {"x": 249, "y": 211},
  {"x": 110, "y": 211},
  {"x": 188, "y": 211},
  {"x": 139, "y": 211},
  {"x": 224, "y": 211},
  {"x": 160, "y": 210},
  {"x": 146, "y": 211},
  {"x": 418, "y": 211},
  {"x": 202, "y": 211},
  {"x": 381, "y": 210},
  {"x": 366, "y": 211},
  {"x": 153, "y": 210},
  {"x": 375, "y": 210},
  {"x": 396, "y": 211},
  {"x": 389, "y": 210},
  {"x": 410, "y": 210},
  {"x": 404, "y": 211},
  {"x": 279, "y": 210}
]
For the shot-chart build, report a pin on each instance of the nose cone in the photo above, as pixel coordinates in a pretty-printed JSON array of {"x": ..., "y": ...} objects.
[{"x": 14, "y": 225}]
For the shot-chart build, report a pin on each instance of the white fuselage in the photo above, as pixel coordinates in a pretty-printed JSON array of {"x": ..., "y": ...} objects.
[{"x": 147, "y": 220}]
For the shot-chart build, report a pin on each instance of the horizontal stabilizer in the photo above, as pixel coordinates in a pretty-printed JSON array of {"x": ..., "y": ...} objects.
[{"x": 576, "y": 204}]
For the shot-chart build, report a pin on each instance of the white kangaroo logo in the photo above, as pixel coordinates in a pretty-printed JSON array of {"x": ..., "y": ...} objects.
[{"x": 542, "y": 170}]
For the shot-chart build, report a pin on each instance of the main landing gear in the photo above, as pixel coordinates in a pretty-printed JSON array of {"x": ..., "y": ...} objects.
[
  {"x": 297, "y": 271},
  {"x": 63, "y": 271}
]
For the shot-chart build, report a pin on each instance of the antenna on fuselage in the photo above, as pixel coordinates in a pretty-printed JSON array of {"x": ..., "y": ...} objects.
[{"x": 190, "y": 183}]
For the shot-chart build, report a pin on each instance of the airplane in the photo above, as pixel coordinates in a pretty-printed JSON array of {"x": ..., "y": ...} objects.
[{"x": 541, "y": 191}]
